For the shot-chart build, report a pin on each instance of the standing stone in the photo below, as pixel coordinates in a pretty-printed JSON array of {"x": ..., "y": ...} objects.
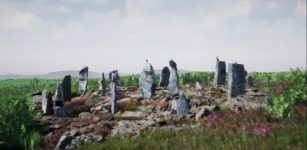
[
  {"x": 198, "y": 89},
  {"x": 83, "y": 78},
  {"x": 67, "y": 88},
  {"x": 113, "y": 98},
  {"x": 147, "y": 81},
  {"x": 47, "y": 103},
  {"x": 236, "y": 79},
  {"x": 164, "y": 77},
  {"x": 113, "y": 92},
  {"x": 59, "y": 95},
  {"x": 174, "y": 79},
  {"x": 220, "y": 72},
  {"x": 114, "y": 76},
  {"x": 182, "y": 105},
  {"x": 250, "y": 81},
  {"x": 102, "y": 86}
]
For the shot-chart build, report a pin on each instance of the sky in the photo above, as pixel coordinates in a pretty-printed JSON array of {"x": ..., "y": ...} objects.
[{"x": 41, "y": 36}]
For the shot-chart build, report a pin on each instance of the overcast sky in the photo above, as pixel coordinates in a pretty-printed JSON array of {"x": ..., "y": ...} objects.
[{"x": 40, "y": 36}]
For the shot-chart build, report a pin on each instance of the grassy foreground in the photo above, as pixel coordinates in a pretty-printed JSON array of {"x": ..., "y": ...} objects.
[{"x": 290, "y": 135}]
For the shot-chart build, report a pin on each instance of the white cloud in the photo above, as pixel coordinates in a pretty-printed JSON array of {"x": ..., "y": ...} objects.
[
  {"x": 109, "y": 39},
  {"x": 11, "y": 18},
  {"x": 301, "y": 8}
]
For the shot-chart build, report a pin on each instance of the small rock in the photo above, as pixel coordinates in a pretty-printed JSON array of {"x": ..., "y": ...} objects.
[
  {"x": 60, "y": 112},
  {"x": 84, "y": 115},
  {"x": 63, "y": 142}
]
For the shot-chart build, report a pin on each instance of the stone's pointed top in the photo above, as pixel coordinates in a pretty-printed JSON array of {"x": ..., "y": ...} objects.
[
  {"x": 172, "y": 63},
  {"x": 198, "y": 86},
  {"x": 182, "y": 95},
  {"x": 217, "y": 59},
  {"x": 236, "y": 62},
  {"x": 182, "y": 105}
]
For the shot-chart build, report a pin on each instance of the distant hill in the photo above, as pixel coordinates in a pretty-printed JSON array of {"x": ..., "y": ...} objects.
[
  {"x": 61, "y": 74},
  {"x": 51, "y": 75}
]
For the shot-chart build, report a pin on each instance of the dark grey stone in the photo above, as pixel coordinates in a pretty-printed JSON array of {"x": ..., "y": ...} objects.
[
  {"x": 83, "y": 79},
  {"x": 220, "y": 72},
  {"x": 182, "y": 105},
  {"x": 67, "y": 88},
  {"x": 236, "y": 80},
  {"x": 114, "y": 77},
  {"x": 102, "y": 86},
  {"x": 147, "y": 81},
  {"x": 250, "y": 81},
  {"x": 60, "y": 111},
  {"x": 174, "y": 79},
  {"x": 47, "y": 103},
  {"x": 59, "y": 95},
  {"x": 164, "y": 77}
]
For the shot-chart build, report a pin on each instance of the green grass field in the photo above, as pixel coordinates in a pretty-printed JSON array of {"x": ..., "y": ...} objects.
[{"x": 288, "y": 89}]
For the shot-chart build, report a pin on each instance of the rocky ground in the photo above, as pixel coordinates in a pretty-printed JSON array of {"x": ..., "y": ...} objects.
[{"x": 89, "y": 118}]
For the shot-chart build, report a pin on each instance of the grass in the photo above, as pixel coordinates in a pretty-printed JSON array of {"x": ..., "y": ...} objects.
[
  {"x": 291, "y": 134},
  {"x": 17, "y": 117}
]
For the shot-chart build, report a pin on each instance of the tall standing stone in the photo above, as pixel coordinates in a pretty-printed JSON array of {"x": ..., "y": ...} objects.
[
  {"x": 174, "y": 79},
  {"x": 67, "y": 88},
  {"x": 250, "y": 81},
  {"x": 59, "y": 95},
  {"x": 47, "y": 103},
  {"x": 102, "y": 86},
  {"x": 182, "y": 105},
  {"x": 113, "y": 92},
  {"x": 83, "y": 78},
  {"x": 220, "y": 72},
  {"x": 236, "y": 79},
  {"x": 147, "y": 81},
  {"x": 114, "y": 76},
  {"x": 164, "y": 77}
]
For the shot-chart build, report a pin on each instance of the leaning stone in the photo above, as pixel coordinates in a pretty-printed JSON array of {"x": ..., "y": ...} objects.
[
  {"x": 220, "y": 72},
  {"x": 182, "y": 105},
  {"x": 47, "y": 103},
  {"x": 59, "y": 95},
  {"x": 83, "y": 79},
  {"x": 60, "y": 112},
  {"x": 164, "y": 77},
  {"x": 250, "y": 81},
  {"x": 147, "y": 81},
  {"x": 236, "y": 80},
  {"x": 67, "y": 88},
  {"x": 174, "y": 79}
]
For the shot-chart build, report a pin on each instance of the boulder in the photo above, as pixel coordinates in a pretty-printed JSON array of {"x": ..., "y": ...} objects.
[
  {"x": 67, "y": 88},
  {"x": 47, "y": 103},
  {"x": 83, "y": 79},
  {"x": 236, "y": 80},
  {"x": 220, "y": 72},
  {"x": 164, "y": 77},
  {"x": 59, "y": 95},
  {"x": 174, "y": 79},
  {"x": 114, "y": 77},
  {"x": 147, "y": 81},
  {"x": 182, "y": 105}
]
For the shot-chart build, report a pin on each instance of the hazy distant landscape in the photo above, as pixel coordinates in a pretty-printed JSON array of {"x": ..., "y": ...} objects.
[{"x": 61, "y": 74}]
